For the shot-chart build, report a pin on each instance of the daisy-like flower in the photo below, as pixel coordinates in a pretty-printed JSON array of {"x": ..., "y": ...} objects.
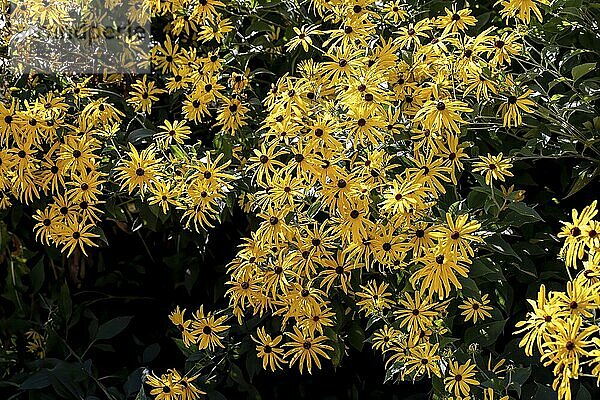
[
  {"x": 455, "y": 21},
  {"x": 138, "y": 172},
  {"x": 521, "y": 9},
  {"x": 164, "y": 387},
  {"x": 306, "y": 349},
  {"x": 268, "y": 350},
  {"x": 494, "y": 167},
  {"x": 458, "y": 234},
  {"x": 438, "y": 115},
  {"x": 574, "y": 247},
  {"x": 460, "y": 378},
  {"x": 513, "y": 107},
  {"x": 303, "y": 37},
  {"x": 207, "y": 329},
  {"x": 143, "y": 95},
  {"x": 475, "y": 309},
  {"x": 176, "y": 131}
]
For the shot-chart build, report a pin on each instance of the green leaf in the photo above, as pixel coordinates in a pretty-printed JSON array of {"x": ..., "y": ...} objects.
[
  {"x": 139, "y": 135},
  {"x": 141, "y": 394},
  {"x": 583, "y": 179},
  {"x": 499, "y": 245},
  {"x": 486, "y": 333},
  {"x": 215, "y": 395},
  {"x": 516, "y": 378},
  {"x": 38, "y": 380},
  {"x": 392, "y": 371},
  {"x": 150, "y": 352},
  {"x": 37, "y": 276},
  {"x": 112, "y": 328},
  {"x": 526, "y": 211},
  {"x": 65, "y": 305},
  {"x": 582, "y": 69},
  {"x": 356, "y": 335}
]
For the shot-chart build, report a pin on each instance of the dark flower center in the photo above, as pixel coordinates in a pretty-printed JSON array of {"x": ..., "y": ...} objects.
[{"x": 570, "y": 345}]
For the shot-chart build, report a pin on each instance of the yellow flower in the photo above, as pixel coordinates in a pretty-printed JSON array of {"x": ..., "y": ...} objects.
[
  {"x": 474, "y": 309},
  {"x": 460, "y": 378},
  {"x": 455, "y": 21},
  {"x": 521, "y": 9},
  {"x": 138, "y": 172},
  {"x": 511, "y": 109},
  {"x": 495, "y": 167},
  {"x": 438, "y": 115},
  {"x": 306, "y": 349},
  {"x": 143, "y": 95},
  {"x": 207, "y": 329},
  {"x": 458, "y": 234},
  {"x": 303, "y": 37},
  {"x": 268, "y": 350}
]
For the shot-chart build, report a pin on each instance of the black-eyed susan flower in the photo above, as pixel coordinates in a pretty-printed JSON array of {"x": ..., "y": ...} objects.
[
  {"x": 306, "y": 350},
  {"x": 476, "y": 309},
  {"x": 269, "y": 349}
]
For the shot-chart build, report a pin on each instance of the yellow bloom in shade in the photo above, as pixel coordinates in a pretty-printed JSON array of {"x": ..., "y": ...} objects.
[
  {"x": 176, "y": 131},
  {"x": 207, "y": 329},
  {"x": 512, "y": 108},
  {"x": 306, "y": 349},
  {"x": 215, "y": 30},
  {"x": 303, "y": 37},
  {"x": 188, "y": 390},
  {"x": 574, "y": 247},
  {"x": 417, "y": 312},
  {"x": 268, "y": 350},
  {"x": 460, "y": 378},
  {"x": 474, "y": 309},
  {"x": 232, "y": 115},
  {"x": 521, "y": 9},
  {"x": 164, "y": 387},
  {"x": 138, "y": 172},
  {"x": 540, "y": 322},
  {"x": 423, "y": 359},
  {"x": 458, "y": 234},
  {"x": 385, "y": 338},
  {"x": 74, "y": 235},
  {"x": 374, "y": 298},
  {"x": 566, "y": 345},
  {"x": 439, "y": 272},
  {"x": 143, "y": 95},
  {"x": 178, "y": 319},
  {"x": 495, "y": 167},
  {"x": 455, "y": 21},
  {"x": 438, "y": 115}
]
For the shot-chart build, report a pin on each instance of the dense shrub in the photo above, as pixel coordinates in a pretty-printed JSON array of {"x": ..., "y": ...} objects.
[{"x": 347, "y": 198}]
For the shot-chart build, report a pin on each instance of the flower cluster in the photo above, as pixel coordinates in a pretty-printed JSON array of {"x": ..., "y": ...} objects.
[
  {"x": 355, "y": 154},
  {"x": 69, "y": 150},
  {"x": 562, "y": 324}
]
